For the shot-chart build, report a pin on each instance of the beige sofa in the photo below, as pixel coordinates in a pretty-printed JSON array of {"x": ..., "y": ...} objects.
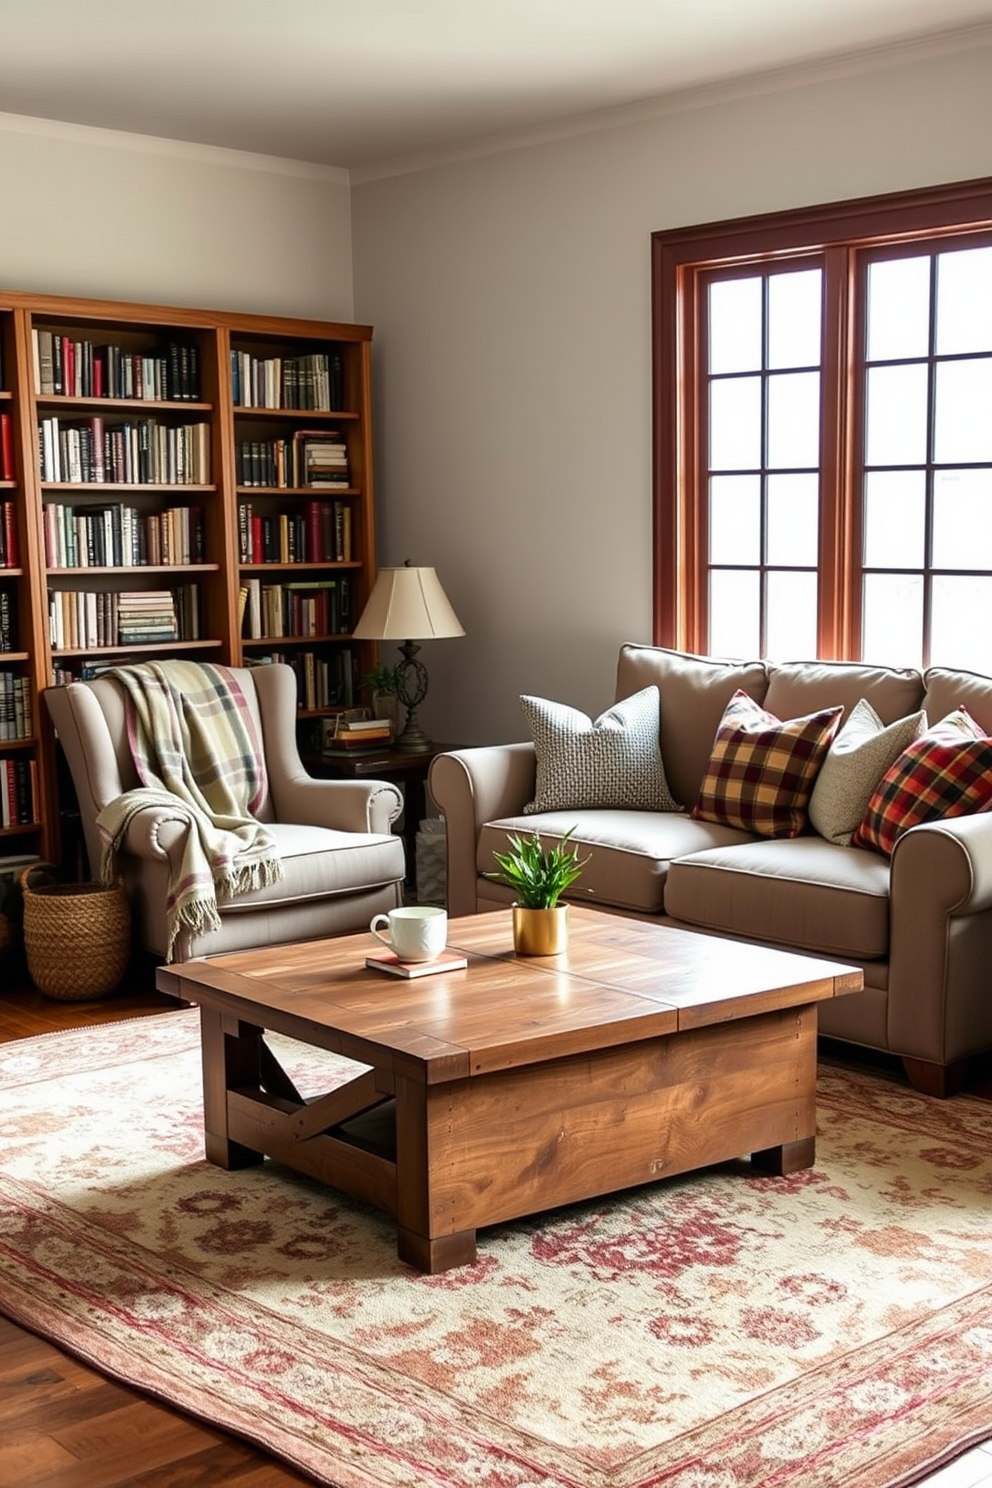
[{"x": 920, "y": 924}]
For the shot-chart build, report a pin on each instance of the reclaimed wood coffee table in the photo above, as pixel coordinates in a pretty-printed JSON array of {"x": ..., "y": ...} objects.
[{"x": 517, "y": 1084}]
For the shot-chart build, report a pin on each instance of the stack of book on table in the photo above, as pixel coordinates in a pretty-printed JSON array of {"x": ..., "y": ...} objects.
[{"x": 359, "y": 735}]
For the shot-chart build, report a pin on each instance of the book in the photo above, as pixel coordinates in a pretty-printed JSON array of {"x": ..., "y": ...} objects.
[{"x": 389, "y": 961}]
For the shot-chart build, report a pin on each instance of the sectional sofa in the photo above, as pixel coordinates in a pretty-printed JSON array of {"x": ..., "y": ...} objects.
[{"x": 917, "y": 919}]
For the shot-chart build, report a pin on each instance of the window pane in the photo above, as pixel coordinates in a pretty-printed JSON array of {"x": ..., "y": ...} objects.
[
  {"x": 892, "y": 619},
  {"x": 895, "y": 519},
  {"x": 896, "y": 431},
  {"x": 790, "y": 624},
  {"x": 898, "y": 309},
  {"x": 794, "y": 420},
  {"x": 961, "y": 623},
  {"x": 735, "y": 424},
  {"x": 963, "y": 419},
  {"x": 964, "y": 301},
  {"x": 735, "y": 519},
  {"x": 734, "y": 614},
  {"x": 735, "y": 325},
  {"x": 962, "y": 519},
  {"x": 793, "y": 520},
  {"x": 794, "y": 314}
]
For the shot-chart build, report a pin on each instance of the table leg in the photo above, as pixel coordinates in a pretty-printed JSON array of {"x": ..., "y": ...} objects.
[
  {"x": 231, "y": 1057},
  {"x": 790, "y": 1157},
  {"x": 417, "y": 1241}
]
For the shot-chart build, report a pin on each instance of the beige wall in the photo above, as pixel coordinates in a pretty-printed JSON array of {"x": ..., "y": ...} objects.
[
  {"x": 511, "y": 300},
  {"x": 90, "y": 212}
]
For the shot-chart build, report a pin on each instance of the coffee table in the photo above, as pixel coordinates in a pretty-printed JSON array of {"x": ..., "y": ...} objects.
[{"x": 519, "y": 1083}]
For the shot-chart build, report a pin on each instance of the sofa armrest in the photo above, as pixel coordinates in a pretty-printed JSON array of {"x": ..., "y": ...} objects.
[
  {"x": 941, "y": 938},
  {"x": 470, "y": 788},
  {"x": 343, "y": 805}
]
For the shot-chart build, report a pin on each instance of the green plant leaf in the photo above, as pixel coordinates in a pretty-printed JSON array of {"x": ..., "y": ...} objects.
[{"x": 538, "y": 875}]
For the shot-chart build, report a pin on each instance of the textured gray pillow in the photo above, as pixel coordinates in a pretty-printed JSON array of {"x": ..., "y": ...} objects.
[
  {"x": 856, "y": 761},
  {"x": 614, "y": 761}
]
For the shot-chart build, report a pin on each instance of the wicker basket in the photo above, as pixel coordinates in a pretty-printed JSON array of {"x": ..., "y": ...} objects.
[{"x": 77, "y": 937}]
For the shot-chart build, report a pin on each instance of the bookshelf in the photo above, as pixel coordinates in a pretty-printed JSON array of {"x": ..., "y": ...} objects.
[{"x": 177, "y": 482}]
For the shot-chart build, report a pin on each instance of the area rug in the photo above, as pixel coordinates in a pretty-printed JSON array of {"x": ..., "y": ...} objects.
[{"x": 719, "y": 1330}]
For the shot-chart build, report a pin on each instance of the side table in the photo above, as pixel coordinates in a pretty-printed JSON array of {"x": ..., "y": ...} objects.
[{"x": 407, "y": 770}]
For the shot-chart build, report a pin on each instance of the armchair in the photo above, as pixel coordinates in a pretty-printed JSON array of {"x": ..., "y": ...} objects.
[{"x": 341, "y": 862}]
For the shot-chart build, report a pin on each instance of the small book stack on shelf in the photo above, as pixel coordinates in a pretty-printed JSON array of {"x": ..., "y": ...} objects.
[
  {"x": 146, "y": 615},
  {"x": 358, "y": 735}
]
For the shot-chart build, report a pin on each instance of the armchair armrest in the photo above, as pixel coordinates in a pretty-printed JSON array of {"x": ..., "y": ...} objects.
[
  {"x": 343, "y": 805},
  {"x": 941, "y": 938},
  {"x": 472, "y": 787}
]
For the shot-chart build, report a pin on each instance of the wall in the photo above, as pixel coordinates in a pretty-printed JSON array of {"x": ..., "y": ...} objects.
[
  {"x": 511, "y": 299},
  {"x": 95, "y": 213}
]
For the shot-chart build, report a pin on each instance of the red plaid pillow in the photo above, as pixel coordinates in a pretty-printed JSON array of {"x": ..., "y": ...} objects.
[
  {"x": 945, "y": 772},
  {"x": 761, "y": 772}
]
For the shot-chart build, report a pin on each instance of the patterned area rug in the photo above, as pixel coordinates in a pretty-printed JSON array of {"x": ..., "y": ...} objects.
[{"x": 720, "y": 1330}]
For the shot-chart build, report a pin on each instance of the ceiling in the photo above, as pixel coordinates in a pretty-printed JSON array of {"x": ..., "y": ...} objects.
[{"x": 352, "y": 83}]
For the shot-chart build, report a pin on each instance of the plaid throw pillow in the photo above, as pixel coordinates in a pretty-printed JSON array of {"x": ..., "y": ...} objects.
[
  {"x": 946, "y": 772},
  {"x": 761, "y": 772}
]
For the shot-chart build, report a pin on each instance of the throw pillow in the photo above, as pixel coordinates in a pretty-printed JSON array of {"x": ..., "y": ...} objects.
[
  {"x": 946, "y": 772},
  {"x": 761, "y": 771},
  {"x": 857, "y": 759},
  {"x": 612, "y": 761}
]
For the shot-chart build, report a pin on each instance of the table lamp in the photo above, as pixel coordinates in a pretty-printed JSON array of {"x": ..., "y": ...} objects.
[{"x": 408, "y": 603}]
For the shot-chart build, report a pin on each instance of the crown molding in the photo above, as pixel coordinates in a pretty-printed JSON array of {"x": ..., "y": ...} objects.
[
  {"x": 150, "y": 144},
  {"x": 706, "y": 95}
]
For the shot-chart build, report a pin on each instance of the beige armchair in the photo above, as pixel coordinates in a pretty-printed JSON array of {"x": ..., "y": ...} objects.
[{"x": 341, "y": 862}]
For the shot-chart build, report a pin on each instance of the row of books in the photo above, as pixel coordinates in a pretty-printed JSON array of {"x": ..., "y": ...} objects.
[
  {"x": 16, "y": 717},
  {"x": 18, "y": 791},
  {"x": 308, "y": 459},
  {"x": 90, "y": 620},
  {"x": 275, "y": 611},
  {"x": 323, "y": 680},
  {"x": 10, "y": 552},
  {"x": 121, "y": 536},
  {"x": 75, "y": 368},
  {"x": 312, "y": 381},
  {"x": 320, "y": 533},
  {"x": 8, "y": 621},
  {"x": 139, "y": 452},
  {"x": 6, "y": 447}
]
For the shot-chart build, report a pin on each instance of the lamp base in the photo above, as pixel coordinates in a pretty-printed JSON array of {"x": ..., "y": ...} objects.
[{"x": 412, "y": 740}]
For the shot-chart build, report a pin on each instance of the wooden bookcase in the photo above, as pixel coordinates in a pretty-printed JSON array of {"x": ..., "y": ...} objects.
[{"x": 163, "y": 451}]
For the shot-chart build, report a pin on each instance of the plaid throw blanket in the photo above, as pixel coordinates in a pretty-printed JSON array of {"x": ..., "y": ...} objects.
[{"x": 197, "y": 754}]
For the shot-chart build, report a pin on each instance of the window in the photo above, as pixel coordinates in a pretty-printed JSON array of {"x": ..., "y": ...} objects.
[{"x": 823, "y": 432}]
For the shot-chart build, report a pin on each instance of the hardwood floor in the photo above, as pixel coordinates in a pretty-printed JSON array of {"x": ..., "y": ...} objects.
[{"x": 64, "y": 1425}]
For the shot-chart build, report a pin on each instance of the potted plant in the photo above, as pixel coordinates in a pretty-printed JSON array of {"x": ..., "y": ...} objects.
[
  {"x": 384, "y": 683},
  {"x": 539, "y": 876}
]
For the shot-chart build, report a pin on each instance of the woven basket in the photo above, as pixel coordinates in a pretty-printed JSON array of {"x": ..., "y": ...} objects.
[{"x": 77, "y": 937}]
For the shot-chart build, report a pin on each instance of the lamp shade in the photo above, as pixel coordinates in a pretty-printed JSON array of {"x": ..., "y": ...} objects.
[{"x": 407, "y": 604}]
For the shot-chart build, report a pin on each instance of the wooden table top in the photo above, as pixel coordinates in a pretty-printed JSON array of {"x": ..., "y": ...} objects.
[{"x": 620, "y": 980}]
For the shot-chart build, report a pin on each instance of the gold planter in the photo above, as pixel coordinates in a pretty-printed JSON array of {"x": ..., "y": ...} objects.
[{"x": 540, "y": 932}]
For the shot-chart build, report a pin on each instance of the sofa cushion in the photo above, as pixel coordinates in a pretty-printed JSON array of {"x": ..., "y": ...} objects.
[
  {"x": 612, "y": 761},
  {"x": 694, "y": 692},
  {"x": 855, "y": 762},
  {"x": 628, "y": 851},
  {"x": 761, "y": 771},
  {"x": 797, "y": 687},
  {"x": 803, "y": 893},
  {"x": 946, "y": 772},
  {"x": 947, "y": 689}
]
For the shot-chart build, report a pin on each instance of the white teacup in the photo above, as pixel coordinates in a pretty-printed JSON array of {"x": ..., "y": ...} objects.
[{"x": 419, "y": 932}]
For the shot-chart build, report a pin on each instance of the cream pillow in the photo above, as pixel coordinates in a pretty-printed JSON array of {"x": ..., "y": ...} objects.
[
  {"x": 614, "y": 761},
  {"x": 856, "y": 761}
]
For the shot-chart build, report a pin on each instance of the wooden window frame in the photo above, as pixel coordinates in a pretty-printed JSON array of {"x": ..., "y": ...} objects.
[{"x": 683, "y": 261}]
